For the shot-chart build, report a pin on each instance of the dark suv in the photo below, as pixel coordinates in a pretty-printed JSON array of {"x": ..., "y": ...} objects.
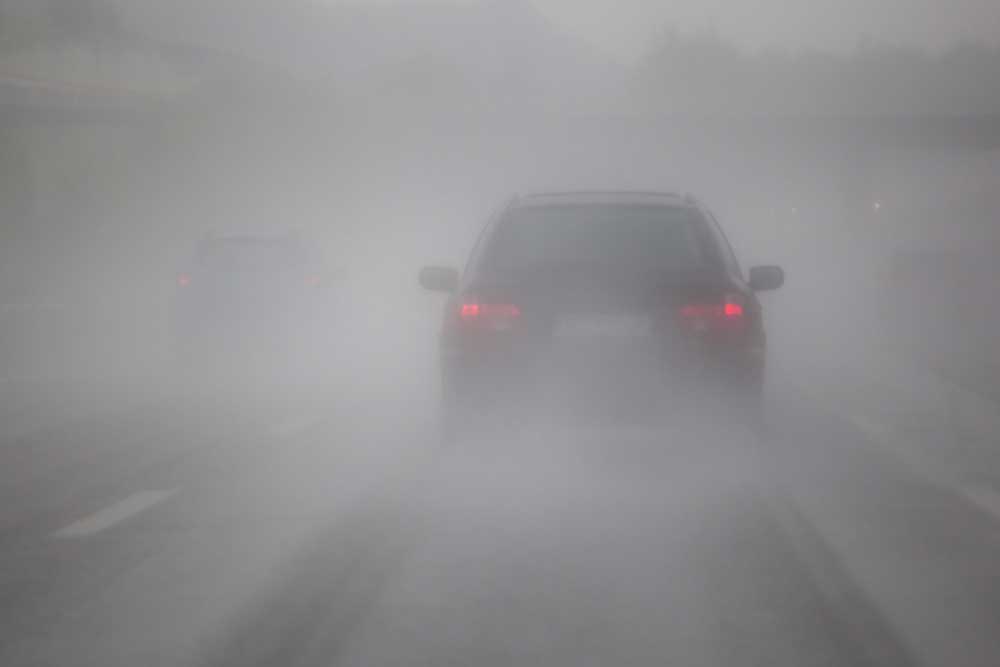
[{"x": 594, "y": 299}]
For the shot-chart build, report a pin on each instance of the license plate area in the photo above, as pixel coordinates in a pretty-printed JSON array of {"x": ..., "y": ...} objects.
[{"x": 603, "y": 326}]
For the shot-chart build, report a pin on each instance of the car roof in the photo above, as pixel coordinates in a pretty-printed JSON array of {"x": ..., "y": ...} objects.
[
  {"x": 242, "y": 236},
  {"x": 623, "y": 197}
]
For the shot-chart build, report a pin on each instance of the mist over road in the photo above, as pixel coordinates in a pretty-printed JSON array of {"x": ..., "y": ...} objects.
[
  {"x": 241, "y": 527},
  {"x": 224, "y": 425}
]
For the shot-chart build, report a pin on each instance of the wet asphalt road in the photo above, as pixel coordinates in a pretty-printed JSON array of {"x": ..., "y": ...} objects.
[{"x": 182, "y": 529}]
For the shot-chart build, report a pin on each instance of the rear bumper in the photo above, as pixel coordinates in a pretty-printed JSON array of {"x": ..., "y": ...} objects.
[{"x": 626, "y": 381}]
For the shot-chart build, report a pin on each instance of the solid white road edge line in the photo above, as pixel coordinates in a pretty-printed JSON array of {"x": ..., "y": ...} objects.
[
  {"x": 983, "y": 498},
  {"x": 113, "y": 515}
]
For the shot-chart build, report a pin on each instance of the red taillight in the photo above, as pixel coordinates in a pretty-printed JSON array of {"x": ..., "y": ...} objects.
[
  {"x": 713, "y": 316},
  {"x": 491, "y": 315},
  {"x": 183, "y": 280},
  {"x": 700, "y": 311},
  {"x": 312, "y": 281},
  {"x": 472, "y": 311},
  {"x": 732, "y": 310}
]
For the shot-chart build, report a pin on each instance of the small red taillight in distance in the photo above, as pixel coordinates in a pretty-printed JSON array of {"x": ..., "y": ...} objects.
[
  {"x": 497, "y": 316},
  {"x": 312, "y": 280},
  {"x": 474, "y": 311},
  {"x": 183, "y": 280}
]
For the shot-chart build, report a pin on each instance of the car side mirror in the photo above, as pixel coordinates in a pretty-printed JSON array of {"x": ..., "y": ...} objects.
[
  {"x": 439, "y": 279},
  {"x": 764, "y": 278}
]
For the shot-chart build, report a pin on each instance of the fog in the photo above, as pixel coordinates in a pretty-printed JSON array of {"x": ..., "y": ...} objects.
[{"x": 306, "y": 504}]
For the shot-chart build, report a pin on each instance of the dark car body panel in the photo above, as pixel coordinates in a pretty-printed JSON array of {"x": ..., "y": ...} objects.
[
  {"x": 247, "y": 295},
  {"x": 535, "y": 354}
]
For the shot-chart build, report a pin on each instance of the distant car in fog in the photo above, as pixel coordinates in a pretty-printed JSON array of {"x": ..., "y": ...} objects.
[
  {"x": 598, "y": 298},
  {"x": 256, "y": 296}
]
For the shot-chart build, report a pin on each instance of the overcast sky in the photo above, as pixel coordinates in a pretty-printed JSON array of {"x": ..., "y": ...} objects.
[{"x": 626, "y": 27}]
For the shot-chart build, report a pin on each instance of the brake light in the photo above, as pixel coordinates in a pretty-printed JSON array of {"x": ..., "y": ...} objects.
[
  {"x": 493, "y": 315},
  {"x": 732, "y": 310},
  {"x": 183, "y": 280},
  {"x": 312, "y": 281},
  {"x": 472, "y": 311},
  {"x": 713, "y": 316}
]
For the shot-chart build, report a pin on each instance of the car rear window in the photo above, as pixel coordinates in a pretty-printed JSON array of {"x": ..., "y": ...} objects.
[{"x": 639, "y": 237}]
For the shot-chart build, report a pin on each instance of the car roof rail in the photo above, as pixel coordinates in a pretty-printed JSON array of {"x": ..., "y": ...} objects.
[{"x": 564, "y": 193}]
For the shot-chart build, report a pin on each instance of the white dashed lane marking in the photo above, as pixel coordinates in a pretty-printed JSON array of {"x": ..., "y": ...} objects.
[{"x": 113, "y": 515}]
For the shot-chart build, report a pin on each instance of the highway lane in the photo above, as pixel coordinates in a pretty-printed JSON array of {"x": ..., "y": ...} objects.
[
  {"x": 622, "y": 546},
  {"x": 331, "y": 530}
]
